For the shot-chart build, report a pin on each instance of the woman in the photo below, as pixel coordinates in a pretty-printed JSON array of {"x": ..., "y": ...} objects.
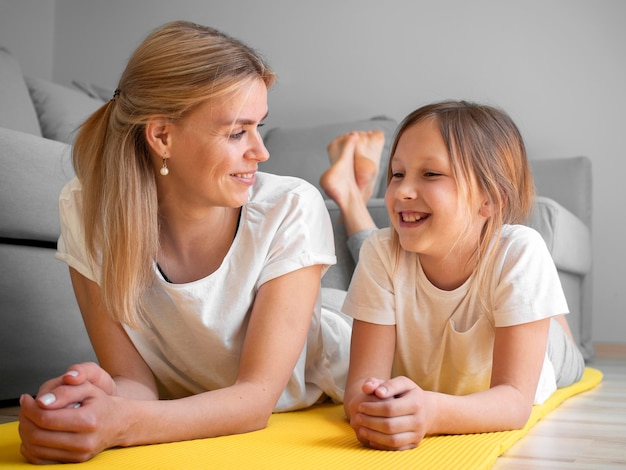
[{"x": 197, "y": 278}]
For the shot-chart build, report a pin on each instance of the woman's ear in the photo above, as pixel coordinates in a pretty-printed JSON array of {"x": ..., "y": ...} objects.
[
  {"x": 157, "y": 135},
  {"x": 486, "y": 208}
]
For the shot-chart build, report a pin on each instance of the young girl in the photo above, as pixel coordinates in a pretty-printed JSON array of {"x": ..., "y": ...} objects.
[{"x": 458, "y": 310}]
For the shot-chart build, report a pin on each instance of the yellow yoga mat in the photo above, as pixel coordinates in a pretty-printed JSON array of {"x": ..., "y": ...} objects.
[{"x": 319, "y": 437}]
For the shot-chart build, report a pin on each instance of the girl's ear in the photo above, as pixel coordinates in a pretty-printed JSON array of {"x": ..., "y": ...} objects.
[{"x": 157, "y": 134}]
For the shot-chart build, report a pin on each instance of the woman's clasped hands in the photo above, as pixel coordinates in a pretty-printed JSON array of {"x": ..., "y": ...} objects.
[{"x": 72, "y": 418}]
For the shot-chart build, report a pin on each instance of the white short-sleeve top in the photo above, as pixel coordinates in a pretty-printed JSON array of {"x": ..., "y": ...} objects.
[
  {"x": 194, "y": 332},
  {"x": 445, "y": 338}
]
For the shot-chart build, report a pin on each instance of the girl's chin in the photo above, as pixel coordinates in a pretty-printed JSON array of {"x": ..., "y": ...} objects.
[{"x": 410, "y": 245}]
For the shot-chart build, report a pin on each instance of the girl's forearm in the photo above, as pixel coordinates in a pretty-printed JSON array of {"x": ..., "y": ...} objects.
[{"x": 500, "y": 408}]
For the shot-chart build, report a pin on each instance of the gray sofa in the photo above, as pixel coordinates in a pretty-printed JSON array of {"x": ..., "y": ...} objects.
[{"x": 41, "y": 331}]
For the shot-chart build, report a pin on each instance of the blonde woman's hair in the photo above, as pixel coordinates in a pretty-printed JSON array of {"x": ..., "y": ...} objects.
[
  {"x": 177, "y": 67},
  {"x": 488, "y": 156}
]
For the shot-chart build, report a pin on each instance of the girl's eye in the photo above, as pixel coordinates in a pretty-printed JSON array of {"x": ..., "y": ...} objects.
[
  {"x": 397, "y": 174},
  {"x": 431, "y": 174}
]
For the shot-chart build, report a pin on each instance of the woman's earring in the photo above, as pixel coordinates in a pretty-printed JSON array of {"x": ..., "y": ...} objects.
[{"x": 164, "y": 169}]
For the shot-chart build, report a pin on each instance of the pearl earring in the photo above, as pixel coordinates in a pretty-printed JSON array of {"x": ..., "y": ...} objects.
[{"x": 164, "y": 169}]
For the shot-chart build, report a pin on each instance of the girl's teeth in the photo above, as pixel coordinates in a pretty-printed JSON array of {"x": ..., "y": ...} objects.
[{"x": 410, "y": 218}]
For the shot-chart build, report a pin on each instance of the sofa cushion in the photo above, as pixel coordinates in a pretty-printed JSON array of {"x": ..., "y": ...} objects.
[
  {"x": 37, "y": 169},
  {"x": 567, "y": 237},
  {"x": 567, "y": 180},
  {"x": 16, "y": 108},
  {"x": 60, "y": 109},
  {"x": 302, "y": 151},
  {"x": 92, "y": 90}
]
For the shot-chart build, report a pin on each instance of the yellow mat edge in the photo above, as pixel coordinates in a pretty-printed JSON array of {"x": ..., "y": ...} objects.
[{"x": 343, "y": 447}]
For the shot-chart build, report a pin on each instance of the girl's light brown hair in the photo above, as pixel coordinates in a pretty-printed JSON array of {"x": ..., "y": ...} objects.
[
  {"x": 177, "y": 67},
  {"x": 487, "y": 155}
]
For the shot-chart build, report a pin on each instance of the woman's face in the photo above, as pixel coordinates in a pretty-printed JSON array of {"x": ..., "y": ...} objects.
[{"x": 214, "y": 150}]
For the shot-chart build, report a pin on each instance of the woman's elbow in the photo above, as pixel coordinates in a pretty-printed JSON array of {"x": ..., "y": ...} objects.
[{"x": 259, "y": 420}]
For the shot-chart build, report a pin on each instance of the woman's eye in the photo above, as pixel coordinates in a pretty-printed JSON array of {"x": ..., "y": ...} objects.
[{"x": 237, "y": 135}]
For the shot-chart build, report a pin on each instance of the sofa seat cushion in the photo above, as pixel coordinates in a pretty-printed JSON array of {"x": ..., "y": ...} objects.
[
  {"x": 302, "y": 151},
  {"x": 16, "y": 108},
  {"x": 42, "y": 330},
  {"x": 60, "y": 109}
]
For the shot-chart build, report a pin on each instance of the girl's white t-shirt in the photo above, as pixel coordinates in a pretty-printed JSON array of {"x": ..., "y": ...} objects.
[
  {"x": 194, "y": 332},
  {"x": 445, "y": 338}
]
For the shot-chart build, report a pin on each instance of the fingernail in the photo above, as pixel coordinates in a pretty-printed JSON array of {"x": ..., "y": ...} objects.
[
  {"x": 73, "y": 373},
  {"x": 47, "y": 399}
]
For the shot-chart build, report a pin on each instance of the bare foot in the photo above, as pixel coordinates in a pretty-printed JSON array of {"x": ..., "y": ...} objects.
[
  {"x": 336, "y": 147},
  {"x": 368, "y": 151},
  {"x": 339, "y": 181}
]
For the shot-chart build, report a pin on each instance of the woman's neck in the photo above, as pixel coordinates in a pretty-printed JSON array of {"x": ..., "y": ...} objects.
[{"x": 194, "y": 247}]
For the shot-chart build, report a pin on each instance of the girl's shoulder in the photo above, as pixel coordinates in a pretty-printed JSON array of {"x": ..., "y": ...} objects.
[
  {"x": 381, "y": 247},
  {"x": 381, "y": 239},
  {"x": 520, "y": 244},
  {"x": 519, "y": 235}
]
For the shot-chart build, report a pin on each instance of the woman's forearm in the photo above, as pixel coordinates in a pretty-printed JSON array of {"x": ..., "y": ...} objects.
[
  {"x": 232, "y": 410},
  {"x": 128, "y": 388}
]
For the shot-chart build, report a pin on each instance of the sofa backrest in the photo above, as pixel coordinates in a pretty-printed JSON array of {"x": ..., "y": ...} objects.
[
  {"x": 17, "y": 111},
  {"x": 35, "y": 171}
]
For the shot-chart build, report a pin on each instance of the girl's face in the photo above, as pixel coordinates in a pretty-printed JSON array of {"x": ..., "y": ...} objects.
[
  {"x": 214, "y": 150},
  {"x": 422, "y": 198}
]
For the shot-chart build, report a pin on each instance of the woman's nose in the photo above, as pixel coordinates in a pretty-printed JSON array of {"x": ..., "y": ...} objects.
[{"x": 257, "y": 150}]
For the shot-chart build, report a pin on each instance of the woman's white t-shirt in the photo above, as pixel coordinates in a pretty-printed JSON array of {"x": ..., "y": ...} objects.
[
  {"x": 445, "y": 338},
  {"x": 194, "y": 332}
]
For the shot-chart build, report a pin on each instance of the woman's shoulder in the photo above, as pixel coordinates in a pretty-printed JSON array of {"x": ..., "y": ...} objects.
[
  {"x": 70, "y": 200},
  {"x": 71, "y": 190},
  {"x": 271, "y": 188}
]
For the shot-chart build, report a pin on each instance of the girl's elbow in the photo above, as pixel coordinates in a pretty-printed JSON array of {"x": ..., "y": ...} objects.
[{"x": 520, "y": 417}]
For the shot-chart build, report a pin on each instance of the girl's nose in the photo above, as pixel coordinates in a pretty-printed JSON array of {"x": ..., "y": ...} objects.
[{"x": 406, "y": 190}]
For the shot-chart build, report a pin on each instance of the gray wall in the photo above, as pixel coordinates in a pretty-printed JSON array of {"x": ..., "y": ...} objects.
[{"x": 557, "y": 66}]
